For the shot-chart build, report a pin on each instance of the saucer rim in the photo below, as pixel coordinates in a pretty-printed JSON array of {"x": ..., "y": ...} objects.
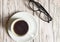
[{"x": 27, "y": 40}]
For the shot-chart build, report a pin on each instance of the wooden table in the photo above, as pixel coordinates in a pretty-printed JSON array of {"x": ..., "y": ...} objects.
[{"x": 47, "y": 32}]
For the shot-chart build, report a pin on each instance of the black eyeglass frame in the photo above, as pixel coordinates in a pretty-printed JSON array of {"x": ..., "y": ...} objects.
[{"x": 40, "y": 9}]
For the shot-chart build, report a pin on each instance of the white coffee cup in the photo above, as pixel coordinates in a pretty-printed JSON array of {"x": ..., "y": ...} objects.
[{"x": 32, "y": 26}]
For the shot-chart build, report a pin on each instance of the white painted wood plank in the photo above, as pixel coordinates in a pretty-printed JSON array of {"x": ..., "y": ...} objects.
[
  {"x": 37, "y": 39},
  {"x": 4, "y": 18},
  {"x": 1, "y": 29},
  {"x": 55, "y": 10},
  {"x": 56, "y": 15},
  {"x": 57, "y": 2},
  {"x": 58, "y": 23},
  {"x": 46, "y": 33},
  {"x": 52, "y": 11}
]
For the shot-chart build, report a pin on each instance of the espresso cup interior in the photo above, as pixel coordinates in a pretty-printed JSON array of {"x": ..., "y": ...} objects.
[{"x": 20, "y": 27}]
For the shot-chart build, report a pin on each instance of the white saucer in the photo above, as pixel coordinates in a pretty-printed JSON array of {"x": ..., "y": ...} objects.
[{"x": 33, "y": 27}]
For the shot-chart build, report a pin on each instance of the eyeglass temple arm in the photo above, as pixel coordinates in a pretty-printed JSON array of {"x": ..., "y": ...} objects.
[{"x": 41, "y": 9}]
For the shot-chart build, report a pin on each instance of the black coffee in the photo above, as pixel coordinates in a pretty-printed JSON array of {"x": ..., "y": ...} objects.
[{"x": 20, "y": 27}]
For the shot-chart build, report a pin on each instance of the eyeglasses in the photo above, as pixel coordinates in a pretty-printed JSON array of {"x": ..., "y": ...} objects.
[{"x": 44, "y": 15}]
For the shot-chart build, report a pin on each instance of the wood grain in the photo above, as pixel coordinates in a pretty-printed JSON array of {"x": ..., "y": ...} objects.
[{"x": 47, "y": 32}]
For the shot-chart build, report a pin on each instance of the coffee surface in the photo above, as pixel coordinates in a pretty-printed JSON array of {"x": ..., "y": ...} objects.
[{"x": 20, "y": 27}]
